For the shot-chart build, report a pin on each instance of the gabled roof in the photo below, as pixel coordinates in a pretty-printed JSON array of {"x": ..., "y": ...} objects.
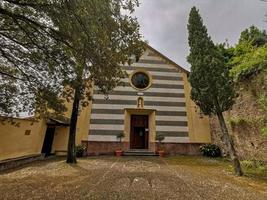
[{"x": 167, "y": 59}]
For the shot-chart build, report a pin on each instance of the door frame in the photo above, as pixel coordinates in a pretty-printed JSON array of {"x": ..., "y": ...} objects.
[
  {"x": 51, "y": 140},
  {"x": 132, "y": 132},
  {"x": 151, "y": 123}
]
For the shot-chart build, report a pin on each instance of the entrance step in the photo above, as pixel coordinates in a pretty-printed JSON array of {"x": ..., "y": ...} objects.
[{"x": 139, "y": 152}]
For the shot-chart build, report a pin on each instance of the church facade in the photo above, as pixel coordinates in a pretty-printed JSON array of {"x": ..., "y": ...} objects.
[{"x": 154, "y": 100}]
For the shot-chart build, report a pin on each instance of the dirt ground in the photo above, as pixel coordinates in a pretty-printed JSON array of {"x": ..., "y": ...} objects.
[{"x": 180, "y": 177}]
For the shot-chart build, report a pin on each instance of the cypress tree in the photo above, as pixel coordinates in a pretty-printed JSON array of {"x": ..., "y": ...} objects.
[{"x": 212, "y": 87}]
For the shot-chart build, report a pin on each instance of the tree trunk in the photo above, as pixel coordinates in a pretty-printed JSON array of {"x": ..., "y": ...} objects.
[
  {"x": 71, "y": 157},
  {"x": 230, "y": 143}
]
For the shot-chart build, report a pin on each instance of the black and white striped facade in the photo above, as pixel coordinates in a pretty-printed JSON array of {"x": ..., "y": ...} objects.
[{"x": 166, "y": 96}]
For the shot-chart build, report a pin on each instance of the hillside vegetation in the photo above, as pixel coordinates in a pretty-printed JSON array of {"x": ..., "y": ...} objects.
[{"x": 247, "y": 119}]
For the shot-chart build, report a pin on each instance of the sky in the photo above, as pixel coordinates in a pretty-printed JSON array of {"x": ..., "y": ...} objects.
[{"x": 164, "y": 22}]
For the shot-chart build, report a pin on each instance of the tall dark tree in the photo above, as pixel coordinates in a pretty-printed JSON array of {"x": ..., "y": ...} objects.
[
  {"x": 212, "y": 88},
  {"x": 52, "y": 49},
  {"x": 102, "y": 38}
]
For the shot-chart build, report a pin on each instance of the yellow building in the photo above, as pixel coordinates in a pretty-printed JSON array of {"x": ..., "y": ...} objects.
[{"x": 155, "y": 99}]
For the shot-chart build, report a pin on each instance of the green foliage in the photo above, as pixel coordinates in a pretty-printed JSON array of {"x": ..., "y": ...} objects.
[
  {"x": 33, "y": 64},
  {"x": 264, "y": 131},
  {"x": 254, "y": 166},
  {"x": 250, "y": 121},
  {"x": 237, "y": 121},
  {"x": 248, "y": 60},
  {"x": 248, "y": 164},
  {"x": 249, "y": 56},
  {"x": 210, "y": 150},
  {"x": 254, "y": 36},
  {"x": 159, "y": 137},
  {"x": 263, "y": 101},
  {"x": 212, "y": 88},
  {"x": 80, "y": 149},
  {"x": 46, "y": 45}
]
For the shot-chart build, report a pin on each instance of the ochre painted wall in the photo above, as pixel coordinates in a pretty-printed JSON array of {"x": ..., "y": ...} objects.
[
  {"x": 199, "y": 128},
  {"x": 14, "y": 143},
  {"x": 62, "y": 133}
]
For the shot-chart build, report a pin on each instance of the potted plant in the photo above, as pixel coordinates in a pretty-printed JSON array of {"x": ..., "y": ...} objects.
[
  {"x": 160, "y": 138},
  {"x": 118, "y": 152},
  {"x": 79, "y": 149}
]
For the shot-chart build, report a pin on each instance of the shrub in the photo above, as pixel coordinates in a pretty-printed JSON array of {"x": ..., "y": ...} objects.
[
  {"x": 79, "y": 150},
  {"x": 210, "y": 150},
  {"x": 120, "y": 136},
  {"x": 264, "y": 131},
  {"x": 159, "y": 138},
  {"x": 237, "y": 121},
  {"x": 248, "y": 164}
]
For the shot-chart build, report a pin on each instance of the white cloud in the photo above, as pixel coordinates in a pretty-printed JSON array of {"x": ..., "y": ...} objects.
[{"x": 164, "y": 22}]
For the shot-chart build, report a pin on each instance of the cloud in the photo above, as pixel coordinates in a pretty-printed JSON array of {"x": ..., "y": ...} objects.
[{"x": 164, "y": 22}]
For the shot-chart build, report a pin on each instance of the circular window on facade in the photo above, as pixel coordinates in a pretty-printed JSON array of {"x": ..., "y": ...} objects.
[{"x": 140, "y": 80}]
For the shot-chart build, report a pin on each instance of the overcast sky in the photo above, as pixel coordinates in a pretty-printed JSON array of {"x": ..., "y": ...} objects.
[{"x": 164, "y": 22}]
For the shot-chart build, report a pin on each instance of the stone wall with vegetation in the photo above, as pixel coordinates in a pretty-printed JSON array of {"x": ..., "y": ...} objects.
[{"x": 247, "y": 121}]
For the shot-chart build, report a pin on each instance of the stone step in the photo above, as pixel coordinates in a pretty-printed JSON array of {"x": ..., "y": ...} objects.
[{"x": 139, "y": 152}]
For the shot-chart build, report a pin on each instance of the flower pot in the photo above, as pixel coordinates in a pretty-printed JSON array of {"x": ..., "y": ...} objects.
[
  {"x": 161, "y": 153},
  {"x": 118, "y": 153}
]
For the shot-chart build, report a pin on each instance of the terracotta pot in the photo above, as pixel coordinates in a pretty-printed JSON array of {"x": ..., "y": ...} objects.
[
  {"x": 118, "y": 153},
  {"x": 161, "y": 153}
]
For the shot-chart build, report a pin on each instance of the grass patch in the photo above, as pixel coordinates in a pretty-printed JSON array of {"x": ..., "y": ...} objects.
[
  {"x": 197, "y": 161},
  {"x": 254, "y": 169}
]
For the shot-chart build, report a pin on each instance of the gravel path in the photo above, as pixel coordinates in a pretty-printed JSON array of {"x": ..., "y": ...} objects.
[{"x": 127, "y": 178}]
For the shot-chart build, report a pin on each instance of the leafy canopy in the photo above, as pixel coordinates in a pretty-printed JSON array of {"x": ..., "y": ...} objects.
[
  {"x": 48, "y": 45},
  {"x": 249, "y": 56}
]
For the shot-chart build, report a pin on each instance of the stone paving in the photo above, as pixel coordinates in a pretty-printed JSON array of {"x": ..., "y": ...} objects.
[{"x": 127, "y": 178}]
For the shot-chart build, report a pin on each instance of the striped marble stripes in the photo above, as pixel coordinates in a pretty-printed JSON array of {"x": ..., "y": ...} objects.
[
  {"x": 148, "y": 94},
  {"x": 102, "y": 138},
  {"x": 114, "y": 111},
  {"x": 171, "y": 118},
  {"x": 167, "y": 82},
  {"x": 151, "y": 61},
  {"x": 125, "y": 97},
  {"x": 105, "y": 132},
  {"x": 166, "y": 109},
  {"x": 107, "y": 121},
  {"x": 155, "y": 85},
  {"x": 120, "y": 122},
  {"x": 173, "y": 134},
  {"x": 172, "y": 128},
  {"x": 155, "y": 81},
  {"x": 171, "y": 113},
  {"x": 171, "y": 123},
  {"x": 152, "y": 69},
  {"x": 134, "y": 102},
  {"x": 107, "y": 111},
  {"x": 153, "y": 73},
  {"x": 176, "y": 140},
  {"x": 179, "y": 91},
  {"x": 166, "y": 96},
  {"x": 107, "y": 127},
  {"x": 153, "y": 65},
  {"x": 178, "y": 78},
  {"x": 107, "y": 116},
  {"x": 113, "y": 138}
]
